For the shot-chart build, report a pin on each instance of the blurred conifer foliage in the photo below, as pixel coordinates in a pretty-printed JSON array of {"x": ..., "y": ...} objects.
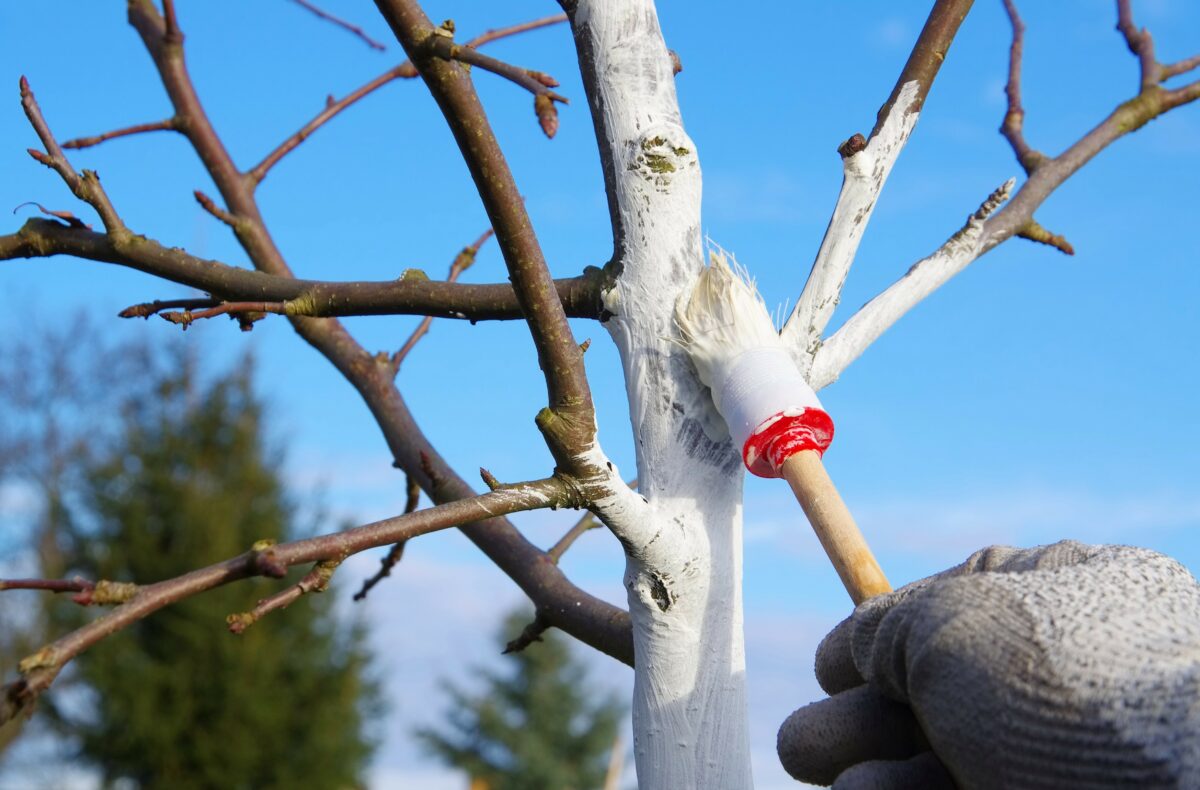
[
  {"x": 188, "y": 477},
  {"x": 540, "y": 725}
]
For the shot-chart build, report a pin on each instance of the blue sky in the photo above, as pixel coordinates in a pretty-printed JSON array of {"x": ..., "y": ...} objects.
[{"x": 1035, "y": 397}]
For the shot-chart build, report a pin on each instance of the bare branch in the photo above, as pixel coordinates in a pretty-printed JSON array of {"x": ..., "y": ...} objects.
[
  {"x": 75, "y": 585},
  {"x": 1140, "y": 43},
  {"x": 593, "y": 621},
  {"x": 1014, "y": 118},
  {"x": 928, "y": 54},
  {"x": 171, "y": 32},
  {"x": 170, "y": 125},
  {"x": 1169, "y": 70},
  {"x": 332, "y": 108},
  {"x": 536, "y": 82},
  {"x": 86, "y": 187},
  {"x": 1014, "y": 219},
  {"x": 494, "y": 34},
  {"x": 210, "y": 205},
  {"x": 147, "y": 309},
  {"x": 87, "y": 593},
  {"x": 316, "y": 580},
  {"x": 39, "y": 670},
  {"x": 355, "y": 29},
  {"x": 569, "y": 422},
  {"x": 866, "y": 168},
  {"x": 1152, "y": 101},
  {"x": 234, "y": 309},
  {"x": 408, "y": 295},
  {"x": 397, "y": 550},
  {"x": 405, "y": 70},
  {"x": 586, "y": 522},
  {"x": 926, "y": 276},
  {"x": 461, "y": 263},
  {"x": 529, "y": 634}
]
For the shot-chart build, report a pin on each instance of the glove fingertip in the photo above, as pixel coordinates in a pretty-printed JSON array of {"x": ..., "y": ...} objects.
[
  {"x": 835, "y": 661},
  {"x": 925, "y": 771}
]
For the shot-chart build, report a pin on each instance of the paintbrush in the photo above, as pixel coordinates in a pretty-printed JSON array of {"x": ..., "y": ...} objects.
[{"x": 773, "y": 414}]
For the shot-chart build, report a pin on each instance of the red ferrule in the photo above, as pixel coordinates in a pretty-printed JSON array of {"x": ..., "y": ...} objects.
[{"x": 780, "y": 437}]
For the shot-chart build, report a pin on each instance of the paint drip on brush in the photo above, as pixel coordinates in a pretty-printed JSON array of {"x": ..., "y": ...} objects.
[{"x": 771, "y": 411}]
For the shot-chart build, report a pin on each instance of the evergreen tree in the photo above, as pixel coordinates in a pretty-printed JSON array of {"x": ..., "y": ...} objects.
[
  {"x": 537, "y": 727},
  {"x": 178, "y": 701}
]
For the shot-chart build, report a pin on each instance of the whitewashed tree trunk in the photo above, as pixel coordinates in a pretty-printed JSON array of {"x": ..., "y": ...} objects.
[{"x": 684, "y": 569}]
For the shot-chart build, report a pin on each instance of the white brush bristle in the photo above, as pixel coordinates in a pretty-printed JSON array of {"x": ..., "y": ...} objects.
[{"x": 723, "y": 316}]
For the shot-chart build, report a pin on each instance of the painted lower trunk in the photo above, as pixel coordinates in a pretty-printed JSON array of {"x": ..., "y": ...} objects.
[{"x": 684, "y": 561}]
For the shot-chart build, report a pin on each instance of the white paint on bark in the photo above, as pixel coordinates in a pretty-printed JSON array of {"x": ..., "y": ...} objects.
[
  {"x": 864, "y": 174},
  {"x": 925, "y": 276},
  {"x": 684, "y": 561}
]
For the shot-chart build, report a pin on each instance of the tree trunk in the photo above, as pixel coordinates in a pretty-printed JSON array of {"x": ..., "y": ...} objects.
[{"x": 684, "y": 568}]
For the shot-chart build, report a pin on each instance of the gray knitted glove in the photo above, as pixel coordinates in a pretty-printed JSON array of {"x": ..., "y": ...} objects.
[{"x": 1065, "y": 666}]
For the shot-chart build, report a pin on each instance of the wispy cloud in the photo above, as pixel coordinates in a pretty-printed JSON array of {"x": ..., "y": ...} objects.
[{"x": 892, "y": 33}]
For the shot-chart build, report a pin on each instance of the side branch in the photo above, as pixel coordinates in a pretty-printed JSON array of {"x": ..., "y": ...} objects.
[
  {"x": 408, "y": 295},
  {"x": 867, "y": 164},
  {"x": 39, "y": 670},
  {"x": 320, "y": 13},
  {"x": 927, "y": 56},
  {"x": 1152, "y": 100},
  {"x": 926, "y": 276},
  {"x": 594, "y": 621},
  {"x": 412, "y": 499},
  {"x": 1014, "y": 118},
  {"x": 169, "y": 125},
  {"x": 569, "y": 423},
  {"x": 536, "y": 82},
  {"x": 461, "y": 263},
  {"x": 86, "y": 187},
  {"x": 405, "y": 70}
]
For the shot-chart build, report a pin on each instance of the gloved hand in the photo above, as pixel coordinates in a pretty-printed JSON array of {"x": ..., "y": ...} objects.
[{"x": 1063, "y": 666}]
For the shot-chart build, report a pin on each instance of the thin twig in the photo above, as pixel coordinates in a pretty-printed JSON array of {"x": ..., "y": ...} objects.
[
  {"x": 405, "y": 70},
  {"x": 39, "y": 238},
  {"x": 171, "y": 32},
  {"x": 1150, "y": 102},
  {"x": 536, "y": 82},
  {"x": 86, "y": 187},
  {"x": 355, "y": 29},
  {"x": 39, "y": 670},
  {"x": 1014, "y": 117},
  {"x": 1168, "y": 70},
  {"x": 210, "y": 205},
  {"x": 170, "y": 124},
  {"x": 316, "y": 580},
  {"x": 587, "y": 522},
  {"x": 488, "y": 36},
  {"x": 87, "y": 593},
  {"x": 77, "y": 584},
  {"x": 1140, "y": 43},
  {"x": 461, "y": 263},
  {"x": 396, "y": 552},
  {"x": 235, "y": 309},
  {"x": 147, "y": 309},
  {"x": 529, "y": 634}
]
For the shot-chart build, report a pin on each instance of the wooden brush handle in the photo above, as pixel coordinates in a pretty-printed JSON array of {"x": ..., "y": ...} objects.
[{"x": 839, "y": 535}]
